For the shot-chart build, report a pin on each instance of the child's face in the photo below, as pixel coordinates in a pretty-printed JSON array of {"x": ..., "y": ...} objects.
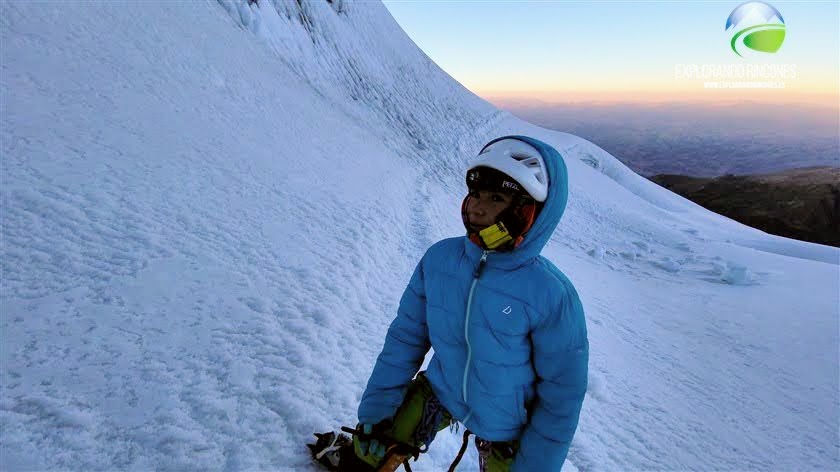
[{"x": 484, "y": 207}]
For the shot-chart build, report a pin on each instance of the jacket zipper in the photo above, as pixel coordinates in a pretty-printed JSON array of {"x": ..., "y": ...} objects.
[{"x": 476, "y": 275}]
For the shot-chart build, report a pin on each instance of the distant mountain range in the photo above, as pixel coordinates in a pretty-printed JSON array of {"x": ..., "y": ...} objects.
[
  {"x": 701, "y": 140},
  {"x": 802, "y": 204},
  {"x": 772, "y": 167}
]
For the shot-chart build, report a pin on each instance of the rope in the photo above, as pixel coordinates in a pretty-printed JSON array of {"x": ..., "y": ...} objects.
[{"x": 461, "y": 452}]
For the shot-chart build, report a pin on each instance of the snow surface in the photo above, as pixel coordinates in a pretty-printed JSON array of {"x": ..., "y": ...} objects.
[{"x": 209, "y": 211}]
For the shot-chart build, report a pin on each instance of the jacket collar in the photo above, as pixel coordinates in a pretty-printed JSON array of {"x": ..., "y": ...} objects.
[{"x": 495, "y": 259}]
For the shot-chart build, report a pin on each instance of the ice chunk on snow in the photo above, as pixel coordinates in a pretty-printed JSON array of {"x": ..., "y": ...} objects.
[{"x": 737, "y": 275}]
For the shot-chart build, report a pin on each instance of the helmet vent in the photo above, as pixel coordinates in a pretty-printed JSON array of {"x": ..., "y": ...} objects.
[{"x": 531, "y": 161}]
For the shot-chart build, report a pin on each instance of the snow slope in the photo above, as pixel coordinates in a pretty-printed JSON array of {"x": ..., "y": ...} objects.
[{"x": 209, "y": 210}]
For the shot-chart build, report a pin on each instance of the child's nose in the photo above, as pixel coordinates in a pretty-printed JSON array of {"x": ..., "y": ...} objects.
[{"x": 478, "y": 207}]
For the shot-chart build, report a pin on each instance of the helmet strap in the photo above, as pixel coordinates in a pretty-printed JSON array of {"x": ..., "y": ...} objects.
[{"x": 495, "y": 236}]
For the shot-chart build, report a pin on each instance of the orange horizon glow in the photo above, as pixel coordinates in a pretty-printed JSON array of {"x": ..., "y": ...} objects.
[
  {"x": 696, "y": 96},
  {"x": 811, "y": 86}
]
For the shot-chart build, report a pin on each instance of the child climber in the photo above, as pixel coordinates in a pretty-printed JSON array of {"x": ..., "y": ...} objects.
[{"x": 507, "y": 327}]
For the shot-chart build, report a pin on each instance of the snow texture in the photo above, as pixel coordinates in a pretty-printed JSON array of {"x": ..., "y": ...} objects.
[{"x": 209, "y": 210}]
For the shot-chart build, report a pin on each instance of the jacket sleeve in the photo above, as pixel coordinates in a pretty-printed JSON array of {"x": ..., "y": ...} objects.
[
  {"x": 560, "y": 358},
  {"x": 405, "y": 347}
]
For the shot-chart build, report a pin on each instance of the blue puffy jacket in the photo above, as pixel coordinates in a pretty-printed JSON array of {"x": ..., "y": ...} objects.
[{"x": 509, "y": 337}]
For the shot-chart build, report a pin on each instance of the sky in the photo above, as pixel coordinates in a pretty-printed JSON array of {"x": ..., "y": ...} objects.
[
  {"x": 618, "y": 51},
  {"x": 201, "y": 249}
]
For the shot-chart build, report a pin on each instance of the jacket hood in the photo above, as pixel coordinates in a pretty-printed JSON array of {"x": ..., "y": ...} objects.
[{"x": 549, "y": 217}]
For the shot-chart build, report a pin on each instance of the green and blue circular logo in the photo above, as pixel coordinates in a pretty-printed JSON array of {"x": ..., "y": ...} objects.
[{"x": 756, "y": 26}]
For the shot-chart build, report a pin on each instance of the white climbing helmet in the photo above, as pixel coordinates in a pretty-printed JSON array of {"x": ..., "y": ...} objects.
[{"x": 519, "y": 160}]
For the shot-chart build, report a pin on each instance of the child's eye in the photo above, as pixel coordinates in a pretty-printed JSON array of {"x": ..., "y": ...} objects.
[
  {"x": 473, "y": 194},
  {"x": 498, "y": 199}
]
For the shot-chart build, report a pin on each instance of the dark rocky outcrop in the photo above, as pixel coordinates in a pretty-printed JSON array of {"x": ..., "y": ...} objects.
[{"x": 801, "y": 203}]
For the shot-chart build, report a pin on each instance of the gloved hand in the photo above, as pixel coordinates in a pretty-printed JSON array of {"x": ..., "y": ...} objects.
[
  {"x": 373, "y": 447},
  {"x": 369, "y": 446}
]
